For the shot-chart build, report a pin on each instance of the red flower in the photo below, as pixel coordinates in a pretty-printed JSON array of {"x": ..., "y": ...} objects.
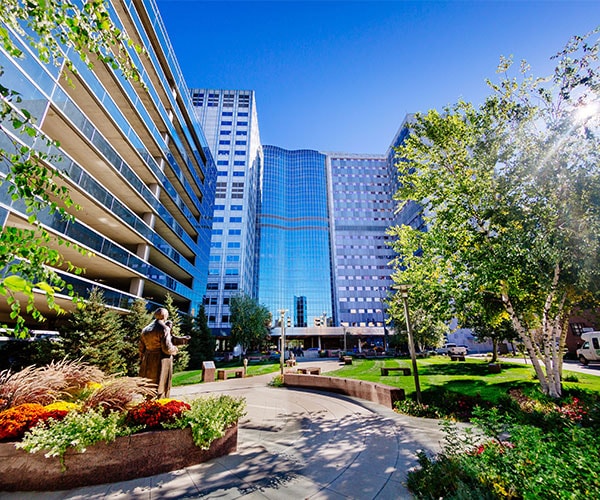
[{"x": 152, "y": 414}]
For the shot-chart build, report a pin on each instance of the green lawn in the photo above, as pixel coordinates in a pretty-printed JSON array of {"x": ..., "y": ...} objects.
[
  {"x": 195, "y": 376},
  {"x": 436, "y": 374},
  {"x": 470, "y": 377}
]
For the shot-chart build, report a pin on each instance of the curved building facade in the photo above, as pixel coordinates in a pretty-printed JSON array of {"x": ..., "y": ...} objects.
[{"x": 295, "y": 265}]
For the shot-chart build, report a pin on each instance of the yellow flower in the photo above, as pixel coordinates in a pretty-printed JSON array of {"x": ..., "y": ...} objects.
[
  {"x": 62, "y": 405},
  {"x": 93, "y": 385},
  {"x": 164, "y": 401}
]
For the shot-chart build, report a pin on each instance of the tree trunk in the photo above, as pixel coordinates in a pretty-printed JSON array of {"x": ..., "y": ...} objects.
[{"x": 494, "y": 350}]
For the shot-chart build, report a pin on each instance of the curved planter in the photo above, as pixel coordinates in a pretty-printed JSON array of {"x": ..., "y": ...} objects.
[{"x": 129, "y": 457}]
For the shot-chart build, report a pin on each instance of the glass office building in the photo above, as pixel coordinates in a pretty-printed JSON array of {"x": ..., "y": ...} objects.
[
  {"x": 295, "y": 265},
  {"x": 363, "y": 208},
  {"x": 229, "y": 120},
  {"x": 137, "y": 162}
]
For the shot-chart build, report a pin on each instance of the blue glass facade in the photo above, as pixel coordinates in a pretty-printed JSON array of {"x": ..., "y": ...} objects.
[
  {"x": 363, "y": 208},
  {"x": 137, "y": 162},
  {"x": 294, "y": 234}
]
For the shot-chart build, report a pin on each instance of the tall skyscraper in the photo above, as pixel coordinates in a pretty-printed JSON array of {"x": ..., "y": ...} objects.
[
  {"x": 137, "y": 163},
  {"x": 295, "y": 235},
  {"x": 229, "y": 119},
  {"x": 362, "y": 209}
]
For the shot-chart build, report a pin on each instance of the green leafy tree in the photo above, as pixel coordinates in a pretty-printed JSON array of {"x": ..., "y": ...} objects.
[
  {"x": 94, "y": 334},
  {"x": 182, "y": 358},
  {"x": 133, "y": 323},
  {"x": 202, "y": 342},
  {"x": 29, "y": 254},
  {"x": 511, "y": 199},
  {"x": 249, "y": 322}
]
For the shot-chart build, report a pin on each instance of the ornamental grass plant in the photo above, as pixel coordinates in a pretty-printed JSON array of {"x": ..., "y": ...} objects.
[{"x": 82, "y": 406}]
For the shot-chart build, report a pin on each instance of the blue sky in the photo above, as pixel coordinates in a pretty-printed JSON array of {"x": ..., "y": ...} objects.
[{"x": 338, "y": 75}]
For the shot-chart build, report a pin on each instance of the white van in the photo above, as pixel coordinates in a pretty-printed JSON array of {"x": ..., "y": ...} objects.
[{"x": 590, "y": 350}]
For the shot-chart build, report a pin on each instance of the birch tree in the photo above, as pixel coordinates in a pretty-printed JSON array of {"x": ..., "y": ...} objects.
[{"x": 510, "y": 192}]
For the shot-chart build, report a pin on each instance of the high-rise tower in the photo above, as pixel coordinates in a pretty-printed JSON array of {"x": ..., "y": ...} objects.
[{"x": 229, "y": 119}]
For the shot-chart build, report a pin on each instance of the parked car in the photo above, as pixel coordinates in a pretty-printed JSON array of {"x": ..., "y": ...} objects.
[
  {"x": 453, "y": 350},
  {"x": 590, "y": 349}
]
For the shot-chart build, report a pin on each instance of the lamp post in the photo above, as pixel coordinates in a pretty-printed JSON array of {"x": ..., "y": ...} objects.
[
  {"x": 282, "y": 340},
  {"x": 403, "y": 289}
]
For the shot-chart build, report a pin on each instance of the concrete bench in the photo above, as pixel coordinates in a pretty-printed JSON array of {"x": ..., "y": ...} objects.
[
  {"x": 347, "y": 360},
  {"x": 457, "y": 358},
  {"x": 310, "y": 370},
  {"x": 224, "y": 373},
  {"x": 386, "y": 371},
  {"x": 371, "y": 391}
]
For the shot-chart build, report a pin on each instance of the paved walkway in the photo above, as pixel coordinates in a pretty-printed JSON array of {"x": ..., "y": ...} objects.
[{"x": 292, "y": 444}]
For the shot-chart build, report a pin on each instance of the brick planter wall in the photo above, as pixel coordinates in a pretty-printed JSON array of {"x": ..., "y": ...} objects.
[
  {"x": 378, "y": 393},
  {"x": 129, "y": 457}
]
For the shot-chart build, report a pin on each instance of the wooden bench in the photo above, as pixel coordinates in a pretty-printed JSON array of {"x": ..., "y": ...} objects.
[
  {"x": 310, "y": 370},
  {"x": 386, "y": 371},
  {"x": 223, "y": 374},
  {"x": 457, "y": 358},
  {"x": 290, "y": 362},
  {"x": 347, "y": 360}
]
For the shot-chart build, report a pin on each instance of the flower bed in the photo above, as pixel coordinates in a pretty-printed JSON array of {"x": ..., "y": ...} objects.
[
  {"x": 67, "y": 425},
  {"x": 128, "y": 457}
]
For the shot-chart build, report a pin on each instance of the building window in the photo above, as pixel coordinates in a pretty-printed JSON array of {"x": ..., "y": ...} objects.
[
  {"x": 236, "y": 207},
  {"x": 240, "y": 143},
  {"x": 242, "y": 124},
  {"x": 225, "y": 318},
  {"x": 240, "y": 153},
  {"x": 219, "y": 207},
  {"x": 234, "y": 244},
  {"x": 218, "y": 219},
  {"x": 224, "y": 142},
  {"x": 227, "y": 113},
  {"x": 212, "y": 286},
  {"x": 222, "y": 163},
  {"x": 225, "y": 132},
  {"x": 235, "y": 232},
  {"x": 235, "y": 219},
  {"x": 230, "y": 286},
  {"x": 243, "y": 113},
  {"x": 216, "y": 244},
  {"x": 226, "y": 122},
  {"x": 239, "y": 163},
  {"x": 225, "y": 301},
  {"x": 232, "y": 272},
  {"x": 221, "y": 173},
  {"x": 241, "y": 132},
  {"x": 213, "y": 272},
  {"x": 217, "y": 231},
  {"x": 233, "y": 258}
]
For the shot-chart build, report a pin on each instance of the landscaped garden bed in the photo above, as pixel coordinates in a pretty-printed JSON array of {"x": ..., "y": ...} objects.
[{"x": 68, "y": 425}]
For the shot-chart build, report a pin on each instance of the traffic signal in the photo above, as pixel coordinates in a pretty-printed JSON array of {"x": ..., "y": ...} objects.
[
  {"x": 317, "y": 321},
  {"x": 289, "y": 322}
]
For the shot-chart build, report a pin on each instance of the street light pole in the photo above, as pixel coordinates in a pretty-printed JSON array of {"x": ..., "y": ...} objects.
[
  {"x": 282, "y": 340},
  {"x": 411, "y": 345}
]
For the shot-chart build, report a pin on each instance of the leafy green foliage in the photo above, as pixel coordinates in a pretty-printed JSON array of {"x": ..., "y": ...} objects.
[
  {"x": 210, "y": 417},
  {"x": 133, "y": 323},
  {"x": 94, "y": 334},
  {"x": 511, "y": 461},
  {"x": 76, "y": 430},
  {"x": 28, "y": 255},
  {"x": 202, "y": 342},
  {"x": 249, "y": 322},
  {"x": 182, "y": 359},
  {"x": 510, "y": 193}
]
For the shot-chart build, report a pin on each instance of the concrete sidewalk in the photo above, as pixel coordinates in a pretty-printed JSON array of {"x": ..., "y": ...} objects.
[{"x": 292, "y": 444}]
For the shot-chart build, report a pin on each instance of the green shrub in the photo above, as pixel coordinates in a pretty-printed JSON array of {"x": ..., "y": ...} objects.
[{"x": 512, "y": 460}]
